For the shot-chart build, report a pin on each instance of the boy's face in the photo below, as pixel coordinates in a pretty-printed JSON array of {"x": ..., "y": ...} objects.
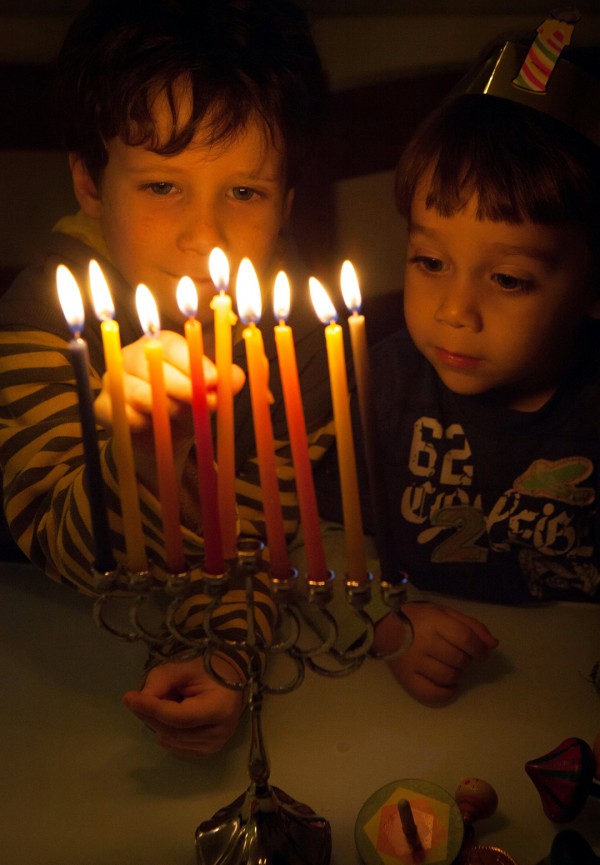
[
  {"x": 495, "y": 306},
  {"x": 162, "y": 215}
]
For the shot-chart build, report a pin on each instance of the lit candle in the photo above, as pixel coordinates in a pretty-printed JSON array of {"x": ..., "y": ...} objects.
[
  {"x": 122, "y": 448},
  {"x": 163, "y": 443},
  {"x": 224, "y": 319},
  {"x": 249, "y": 309},
  {"x": 187, "y": 298},
  {"x": 294, "y": 412},
  {"x": 360, "y": 358},
  {"x": 70, "y": 300},
  {"x": 334, "y": 338}
]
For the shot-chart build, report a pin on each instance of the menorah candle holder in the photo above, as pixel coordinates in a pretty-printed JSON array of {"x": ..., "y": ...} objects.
[{"x": 264, "y": 825}]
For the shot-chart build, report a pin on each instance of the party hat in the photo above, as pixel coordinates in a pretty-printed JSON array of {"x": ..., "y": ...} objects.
[{"x": 541, "y": 77}]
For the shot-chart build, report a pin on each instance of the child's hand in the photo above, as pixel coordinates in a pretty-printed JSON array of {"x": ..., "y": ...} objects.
[
  {"x": 445, "y": 642},
  {"x": 192, "y": 715},
  {"x": 178, "y": 384},
  {"x": 138, "y": 399}
]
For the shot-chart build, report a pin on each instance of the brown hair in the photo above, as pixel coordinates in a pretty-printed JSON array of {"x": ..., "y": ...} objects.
[
  {"x": 520, "y": 163},
  {"x": 240, "y": 58}
]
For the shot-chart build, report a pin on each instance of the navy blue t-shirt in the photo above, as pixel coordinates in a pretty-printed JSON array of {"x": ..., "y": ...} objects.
[{"x": 483, "y": 501}]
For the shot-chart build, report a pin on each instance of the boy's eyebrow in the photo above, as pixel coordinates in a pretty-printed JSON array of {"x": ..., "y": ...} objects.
[
  {"x": 242, "y": 174},
  {"x": 540, "y": 253},
  {"x": 544, "y": 255}
]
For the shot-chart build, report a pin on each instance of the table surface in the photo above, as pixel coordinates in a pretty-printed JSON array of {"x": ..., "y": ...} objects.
[{"x": 83, "y": 781}]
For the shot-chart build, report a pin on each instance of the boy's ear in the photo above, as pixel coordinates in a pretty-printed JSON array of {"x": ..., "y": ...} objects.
[{"x": 86, "y": 191}]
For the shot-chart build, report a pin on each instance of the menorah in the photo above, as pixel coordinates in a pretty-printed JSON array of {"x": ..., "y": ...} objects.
[{"x": 264, "y": 825}]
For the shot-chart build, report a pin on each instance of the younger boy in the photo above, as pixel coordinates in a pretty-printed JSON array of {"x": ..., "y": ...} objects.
[
  {"x": 490, "y": 418},
  {"x": 187, "y": 124}
]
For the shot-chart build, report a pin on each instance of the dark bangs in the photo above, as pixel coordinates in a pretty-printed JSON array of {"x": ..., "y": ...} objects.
[
  {"x": 521, "y": 164},
  {"x": 236, "y": 59}
]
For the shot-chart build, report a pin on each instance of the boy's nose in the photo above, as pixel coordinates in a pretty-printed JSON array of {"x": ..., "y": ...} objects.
[
  {"x": 200, "y": 229},
  {"x": 459, "y": 307}
]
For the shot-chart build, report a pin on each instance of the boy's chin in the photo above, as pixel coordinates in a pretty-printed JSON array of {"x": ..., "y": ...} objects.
[{"x": 463, "y": 384}]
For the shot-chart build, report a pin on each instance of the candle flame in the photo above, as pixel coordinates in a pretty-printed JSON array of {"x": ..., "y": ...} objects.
[
  {"x": 147, "y": 310},
  {"x": 70, "y": 299},
  {"x": 187, "y": 296},
  {"x": 350, "y": 287},
  {"x": 324, "y": 308},
  {"x": 101, "y": 298},
  {"x": 247, "y": 291},
  {"x": 219, "y": 269},
  {"x": 281, "y": 296}
]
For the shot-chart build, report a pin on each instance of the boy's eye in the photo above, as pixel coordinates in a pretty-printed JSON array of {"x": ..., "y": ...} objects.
[
  {"x": 160, "y": 188},
  {"x": 429, "y": 264},
  {"x": 511, "y": 283},
  {"x": 243, "y": 193}
]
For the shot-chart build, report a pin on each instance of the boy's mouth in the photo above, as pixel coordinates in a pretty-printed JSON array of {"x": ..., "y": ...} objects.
[{"x": 455, "y": 360}]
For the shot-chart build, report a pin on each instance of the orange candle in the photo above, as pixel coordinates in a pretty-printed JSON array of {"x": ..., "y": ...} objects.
[
  {"x": 163, "y": 442},
  {"x": 294, "y": 412},
  {"x": 249, "y": 308},
  {"x": 224, "y": 319},
  {"x": 187, "y": 298},
  {"x": 122, "y": 448},
  {"x": 334, "y": 339}
]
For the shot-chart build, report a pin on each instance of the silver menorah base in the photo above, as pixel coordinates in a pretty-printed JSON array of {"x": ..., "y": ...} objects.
[{"x": 263, "y": 826}]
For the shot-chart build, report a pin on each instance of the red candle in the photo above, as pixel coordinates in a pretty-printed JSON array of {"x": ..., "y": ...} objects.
[
  {"x": 224, "y": 320},
  {"x": 294, "y": 412},
  {"x": 187, "y": 298},
  {"x": 163, "y": 442},
  {"x": 249, "y": 309}
]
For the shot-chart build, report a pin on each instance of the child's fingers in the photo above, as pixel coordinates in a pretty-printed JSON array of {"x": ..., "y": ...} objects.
[{"x": 478, "y": 639}]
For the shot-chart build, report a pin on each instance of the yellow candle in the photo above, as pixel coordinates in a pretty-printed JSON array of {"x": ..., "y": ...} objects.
[
  {"x": 334, "y": 339},
  {"x": 294, "y": 411},
  {"x": 358, "y": 341},
  {"x": 372, "y": 451},
  {"x": 224, "y": 319},
  {"x": 122, "y": 449},
  {"x": 249, "y": 308},
  {"x": 163, "y": 443}
]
